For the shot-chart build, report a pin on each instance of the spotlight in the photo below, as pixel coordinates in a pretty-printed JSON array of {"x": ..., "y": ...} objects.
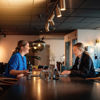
[
  {"x": 47, "y": 27},
  {"x": 58, "y": 11},
  {"x": 51, "y": 19},
  {"x": 52, "y": 23},
  {"x": 62, "y": 5},
  {"x": 52, "y": 16}
]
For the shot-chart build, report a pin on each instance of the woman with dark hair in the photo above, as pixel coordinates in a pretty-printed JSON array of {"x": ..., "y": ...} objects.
[
  {"x": 83, "y": 64},
  {"x": 17, "y": 65}
]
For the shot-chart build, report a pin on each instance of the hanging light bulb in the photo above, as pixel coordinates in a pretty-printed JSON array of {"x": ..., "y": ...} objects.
[
  {"x": 58, "y": 11},
  {"x": 35, "y": 47},
  {"x": 39, "y": 45},
  {"x": 62, "y": 5}
]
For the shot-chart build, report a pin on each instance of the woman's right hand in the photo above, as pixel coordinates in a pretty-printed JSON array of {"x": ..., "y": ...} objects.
[{"x": 25, "y": 72}]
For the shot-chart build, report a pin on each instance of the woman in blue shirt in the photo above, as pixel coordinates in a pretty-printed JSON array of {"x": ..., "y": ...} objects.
[{"x": 17, "y": 65}]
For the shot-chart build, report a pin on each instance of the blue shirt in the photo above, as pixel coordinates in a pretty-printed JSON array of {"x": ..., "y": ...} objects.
[{"x": 16, "y": 62}]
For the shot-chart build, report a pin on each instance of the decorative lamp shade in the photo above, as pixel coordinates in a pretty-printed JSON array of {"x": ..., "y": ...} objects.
[{"x": 38, "y": 45}]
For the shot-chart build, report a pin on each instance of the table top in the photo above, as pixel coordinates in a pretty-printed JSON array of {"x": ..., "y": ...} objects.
[{"x": 66, "y": 88}]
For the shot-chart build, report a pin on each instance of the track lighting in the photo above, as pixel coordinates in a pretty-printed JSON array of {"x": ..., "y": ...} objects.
[
  {"x": 52, "y": 23},
  {"x": 58, "y": 11},
  {"x": 51, "y": 19},
  {"x": 62, "y": 5},
  {"x": 52, "y": 16},
  {"x": 47, "y": 27}
]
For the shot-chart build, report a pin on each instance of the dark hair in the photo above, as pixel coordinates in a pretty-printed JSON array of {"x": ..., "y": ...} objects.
[
  {"x": 80, "y": 46},
  {"x": 21, "y": 43}
]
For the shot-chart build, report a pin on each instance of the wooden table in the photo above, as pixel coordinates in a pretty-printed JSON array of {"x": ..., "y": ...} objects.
[{"x": 66, "y": 88}]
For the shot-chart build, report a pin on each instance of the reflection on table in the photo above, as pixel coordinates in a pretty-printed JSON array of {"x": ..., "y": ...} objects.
[{"x": 65, "y": 88}]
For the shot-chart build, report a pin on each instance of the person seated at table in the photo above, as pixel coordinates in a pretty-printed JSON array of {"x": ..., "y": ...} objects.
[
  {"x": 17, "y": 65},
  {"x": 83, "y": 64}
]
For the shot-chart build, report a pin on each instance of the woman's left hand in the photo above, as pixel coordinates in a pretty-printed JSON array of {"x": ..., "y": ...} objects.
[
  {"x": 66, "y": 72},
  {"x": 25, "y": 72},
  {"x": 20, "y": 75}
]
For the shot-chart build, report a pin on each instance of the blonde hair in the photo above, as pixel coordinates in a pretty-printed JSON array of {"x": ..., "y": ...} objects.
[{"x": 80, "y": 46}]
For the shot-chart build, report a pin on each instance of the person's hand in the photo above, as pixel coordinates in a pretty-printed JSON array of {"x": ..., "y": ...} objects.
[
  {"x": 20, "y": 75},
  {"x": 25, "y": 72},
  {"x": 66, "y": 72}
]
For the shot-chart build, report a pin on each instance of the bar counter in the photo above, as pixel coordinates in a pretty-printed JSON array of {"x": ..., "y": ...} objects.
[{"x": 66, "y": 88}]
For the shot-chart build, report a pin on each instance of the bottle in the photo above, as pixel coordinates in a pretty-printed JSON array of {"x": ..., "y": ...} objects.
[
  {"x": 49, "y": 72},
  {"x": 29, "y": 76},
  {"x": 29, "y": 66},
  {"x": 55, "y": 74}
]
